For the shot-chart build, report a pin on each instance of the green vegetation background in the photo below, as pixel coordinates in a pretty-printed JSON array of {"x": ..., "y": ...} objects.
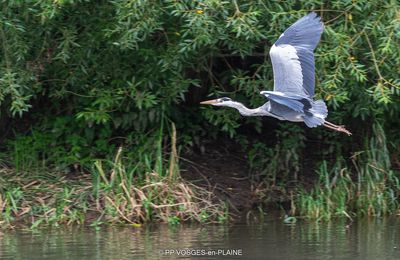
[{"x": 78, "y": 79}]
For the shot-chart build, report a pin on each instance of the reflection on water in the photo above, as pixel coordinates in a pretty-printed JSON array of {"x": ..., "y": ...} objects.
[{"x": 365, "y": 239}]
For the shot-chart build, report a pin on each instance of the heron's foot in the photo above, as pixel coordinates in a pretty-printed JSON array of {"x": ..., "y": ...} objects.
[
  {"x": 339, "y": 128},
  {"x": 343, "y": 129}
]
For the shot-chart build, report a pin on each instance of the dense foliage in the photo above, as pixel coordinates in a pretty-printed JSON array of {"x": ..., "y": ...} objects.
[{"x": 79, "y": 78}]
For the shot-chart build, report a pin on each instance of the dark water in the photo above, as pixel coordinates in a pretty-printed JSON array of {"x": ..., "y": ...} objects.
[{"x": 366, "y": 239}]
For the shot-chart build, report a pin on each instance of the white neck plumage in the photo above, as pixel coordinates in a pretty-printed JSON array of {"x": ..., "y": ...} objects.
[{"x": 245, "y": 111}]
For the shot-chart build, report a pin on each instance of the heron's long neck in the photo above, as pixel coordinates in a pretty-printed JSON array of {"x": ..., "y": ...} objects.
[{"x": 245, "y": 111}]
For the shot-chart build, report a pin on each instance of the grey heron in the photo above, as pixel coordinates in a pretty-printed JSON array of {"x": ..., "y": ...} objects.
[{"x": 294, "y": 79}]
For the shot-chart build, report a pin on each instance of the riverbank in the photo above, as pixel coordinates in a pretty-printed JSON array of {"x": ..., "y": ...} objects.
[
  {"x": 217, "y": 183},
  {"x": 51, "y": 198}
]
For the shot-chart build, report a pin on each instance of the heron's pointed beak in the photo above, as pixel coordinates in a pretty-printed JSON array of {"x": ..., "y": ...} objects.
[{"x": 209, "y": 102}]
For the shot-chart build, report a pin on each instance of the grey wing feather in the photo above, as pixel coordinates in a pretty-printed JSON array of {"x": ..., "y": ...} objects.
[
  {"x": 295, "y": 103},
  {"x": 280, "y": 109},
  {"x": 287, "y": 69},
  {"x": 305, "y": 32},
  {"x": 293, "y": 58}
]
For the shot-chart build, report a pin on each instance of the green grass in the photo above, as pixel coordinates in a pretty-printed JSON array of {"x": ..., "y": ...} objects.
[
  {"x": 144, "y": 185},
  {"x": 130, "y": 188},
  {"x": 368, "y": 187}
]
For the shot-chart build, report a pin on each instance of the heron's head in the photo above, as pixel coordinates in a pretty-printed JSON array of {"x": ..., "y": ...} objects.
[{"x": 224, "y": 101}]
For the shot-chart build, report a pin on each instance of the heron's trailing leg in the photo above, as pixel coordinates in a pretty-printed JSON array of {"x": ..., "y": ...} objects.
[{"x": 339, "y": 128}]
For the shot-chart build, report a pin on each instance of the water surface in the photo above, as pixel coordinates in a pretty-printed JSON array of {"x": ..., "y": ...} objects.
[{"x": 364, "y": 239}]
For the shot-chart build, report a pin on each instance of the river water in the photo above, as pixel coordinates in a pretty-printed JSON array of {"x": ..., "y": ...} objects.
[{"x": 363, "y": 239}]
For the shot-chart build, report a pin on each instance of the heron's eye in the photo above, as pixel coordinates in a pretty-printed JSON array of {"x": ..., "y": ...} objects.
[{"x": 225, "y": 99}]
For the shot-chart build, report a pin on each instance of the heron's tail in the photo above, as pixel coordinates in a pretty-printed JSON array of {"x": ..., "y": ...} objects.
[
  {"x": 319, "y": 109},
  {"x": 316, "y": 115}
]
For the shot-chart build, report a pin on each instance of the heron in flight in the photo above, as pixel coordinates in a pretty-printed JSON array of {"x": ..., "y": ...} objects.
[{"x": 294, "y": 79}]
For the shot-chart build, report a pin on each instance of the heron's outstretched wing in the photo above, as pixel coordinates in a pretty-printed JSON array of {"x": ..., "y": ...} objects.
[{"x": 293, "y": 58}]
